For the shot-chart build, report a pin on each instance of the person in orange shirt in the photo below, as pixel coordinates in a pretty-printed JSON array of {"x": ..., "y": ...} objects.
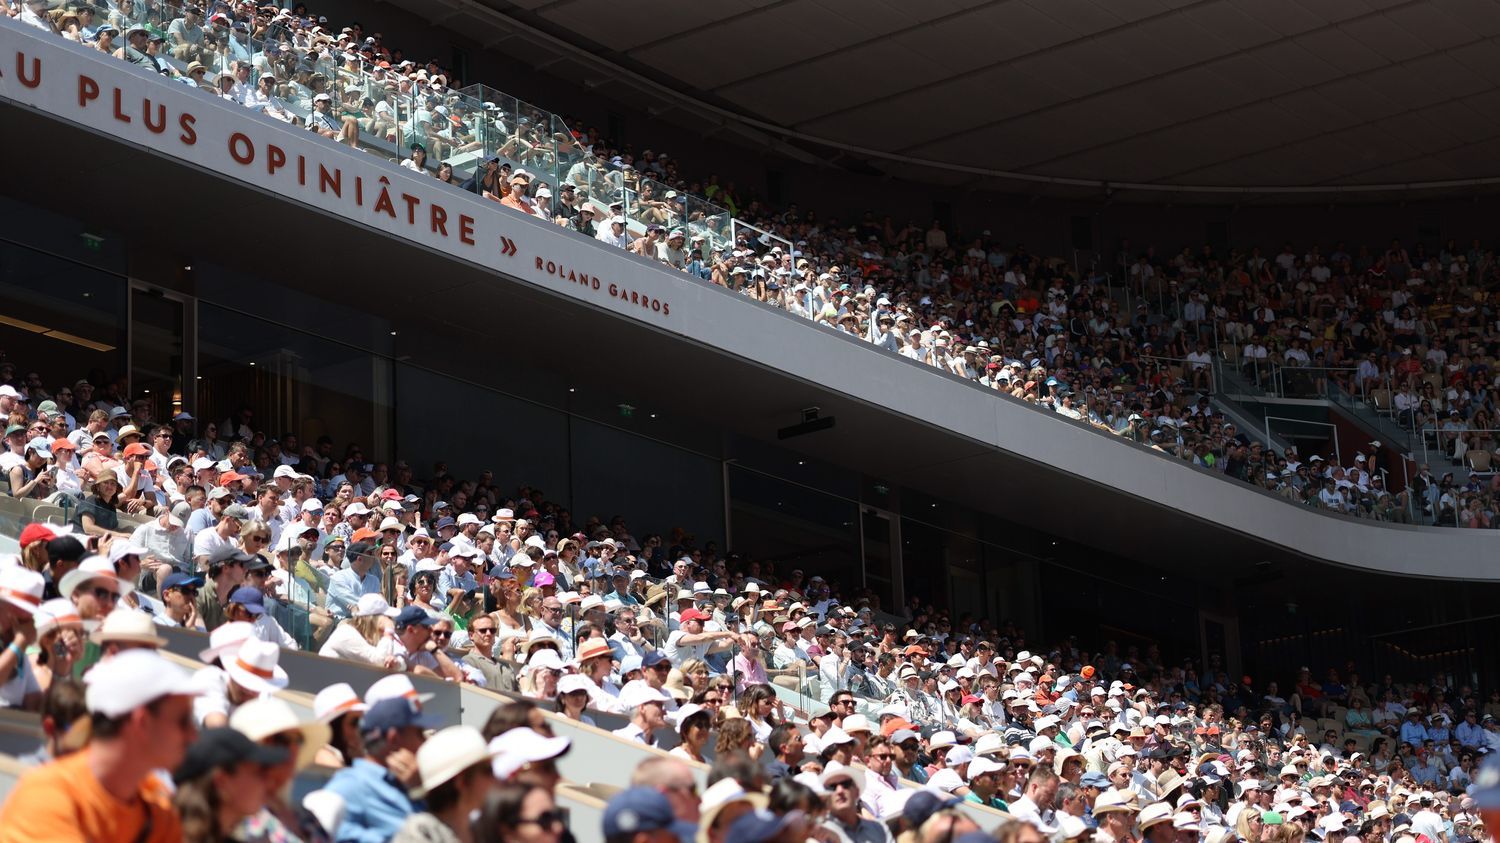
[
  {"x": 141, "y": 717},
  {"x": 516, "y": 198}
]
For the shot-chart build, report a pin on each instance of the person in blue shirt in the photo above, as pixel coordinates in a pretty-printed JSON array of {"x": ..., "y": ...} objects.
[
  {"x": 1427, "y": 771},
  {"x": 457, "y": 577},
  {"x": 376, "y": 802},
  {"x": 1469, "y": 732},
  {"x": 347, "y": 585},
  {"x": 1412, "y": 731}
]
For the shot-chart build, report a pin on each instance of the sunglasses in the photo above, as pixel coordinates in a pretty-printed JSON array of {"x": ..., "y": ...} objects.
[
  {"x": 445, "y": 635},
  {"x": 481, "y": 630},
  {"x": 842, "y": 784},
  {"x": 101, "y": 593},
  {"x": 546, "y": 819}
]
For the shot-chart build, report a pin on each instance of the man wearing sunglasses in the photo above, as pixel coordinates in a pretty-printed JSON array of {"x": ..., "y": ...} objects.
[
  {"x": 844, "y": 785},
  {"x": 179, "y": 593}
]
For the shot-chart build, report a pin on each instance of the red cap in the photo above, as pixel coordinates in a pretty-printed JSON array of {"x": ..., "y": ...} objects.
[
  {"x": 136, "y": 449},
  {"x": 36, "y": 533},
  {"x": 1087, "y": 672},
  {"x": 364, "y": 534},
  {"x": 229, "y": 477},
  {"x": 63, "y": 445},
  {"x": 693, "y": 615},
  {"x": 390, "y": 495},
  {"x": 968, "y": 699}
]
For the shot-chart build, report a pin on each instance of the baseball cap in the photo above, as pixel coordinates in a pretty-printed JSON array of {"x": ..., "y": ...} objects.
[
  {"x": 225, "y": 747},
  {"x": 132, "y": 679},
  {"x": 639, "y": 809},
  {"x": 251, "y": 598},
  {"x": 180, "y": 579},
  {"x": 414, "y": 615},
  {"x": 397, "y": 713}
]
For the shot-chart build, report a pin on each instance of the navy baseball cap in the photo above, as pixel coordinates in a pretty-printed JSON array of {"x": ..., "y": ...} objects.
[
  {"x": 397, "y": 713},
  {"x": 179, "y": 580},
  {"x": 925, "y": 803},
  {"x": 252, "y": 599},
  {"x": 758, "y": 826},
  {"x": 653, "y": 658},
  {"x": 643, "y": 809},
  {"x": 501, "y": 572},
  {"x": 445, "y": 521},
  {"x": 224, "y": 747},
  {"x": 1095, "y": 780},
  {"x": 413, "y": 616}
]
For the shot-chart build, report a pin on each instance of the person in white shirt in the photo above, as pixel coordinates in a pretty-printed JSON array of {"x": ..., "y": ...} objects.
[
  {"x": 690, "y": 641},
  {"x": 165, "y": 540},
  {"x": 614, "y": 233},
  {"x": 648, "y": 712}
]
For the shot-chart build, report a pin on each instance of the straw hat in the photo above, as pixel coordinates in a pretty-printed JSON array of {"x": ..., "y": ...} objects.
[
  {"x": 447, "y": 754},
  {"x": 255, "y": 667},
  {"x": 676, "y": 685},
  {"x": 92, "y": 568},
  {"x": 22, "y": 588},
  {"x": 592, "y": 649},
  {"x": 128, "y": 626},
  {"x": 261, "y": 718},
  {"x": 336, "y": 700}
]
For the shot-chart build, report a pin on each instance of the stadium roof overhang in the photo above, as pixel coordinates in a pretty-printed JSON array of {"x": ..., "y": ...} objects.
[
  {"x": 1157, "y": 100},
  {"x": 453, "y": 310}
]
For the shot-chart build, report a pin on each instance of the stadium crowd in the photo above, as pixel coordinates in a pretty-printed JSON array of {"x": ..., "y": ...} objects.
[
  {"x": 896, "y": 716},
  {"x": 1411, "y": 330}
]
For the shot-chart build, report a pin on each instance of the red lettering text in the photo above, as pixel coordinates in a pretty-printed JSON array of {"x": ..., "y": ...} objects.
[
  {"x": 158, "y": 125},
  {"x": 439, "y": 218},
  {"x": 275, "y": 158},
  {"x": 189, "y": 134},
  {"x": 466, "y": 229},
  {"x": 241, "y": 149},
  {"x": 35, "y": 77},
  {"x": 88, "y": 90},
  {"x": 120, "y": 114},
  {"x": 331, "y": 181}
]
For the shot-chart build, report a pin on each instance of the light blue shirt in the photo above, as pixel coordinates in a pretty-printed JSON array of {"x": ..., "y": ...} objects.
[
  {"x": 375, "y": 803},
  {"x": 447, "y": 580},
  {"x": 345, "y": 588},
  {"x": 1413, "y": 733}
]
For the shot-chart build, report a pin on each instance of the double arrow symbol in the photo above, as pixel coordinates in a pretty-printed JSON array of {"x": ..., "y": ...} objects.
[{"x": 507, "y": 246}]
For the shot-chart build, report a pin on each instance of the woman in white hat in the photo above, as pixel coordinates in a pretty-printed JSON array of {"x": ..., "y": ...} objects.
[
  {"x": 339, "y": 707},
  {"x": 456, "y": 777},
  {"x": 540, "y": 676},
  {"x": 368, "y": 635},
  {"x": 573, "y": 698},
  {"x": 20, "y": 597},
  {"x": 272, "y": 723}
]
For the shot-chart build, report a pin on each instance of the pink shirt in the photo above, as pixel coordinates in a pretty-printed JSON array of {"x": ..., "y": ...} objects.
[{"x": 748, "y": 672}]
